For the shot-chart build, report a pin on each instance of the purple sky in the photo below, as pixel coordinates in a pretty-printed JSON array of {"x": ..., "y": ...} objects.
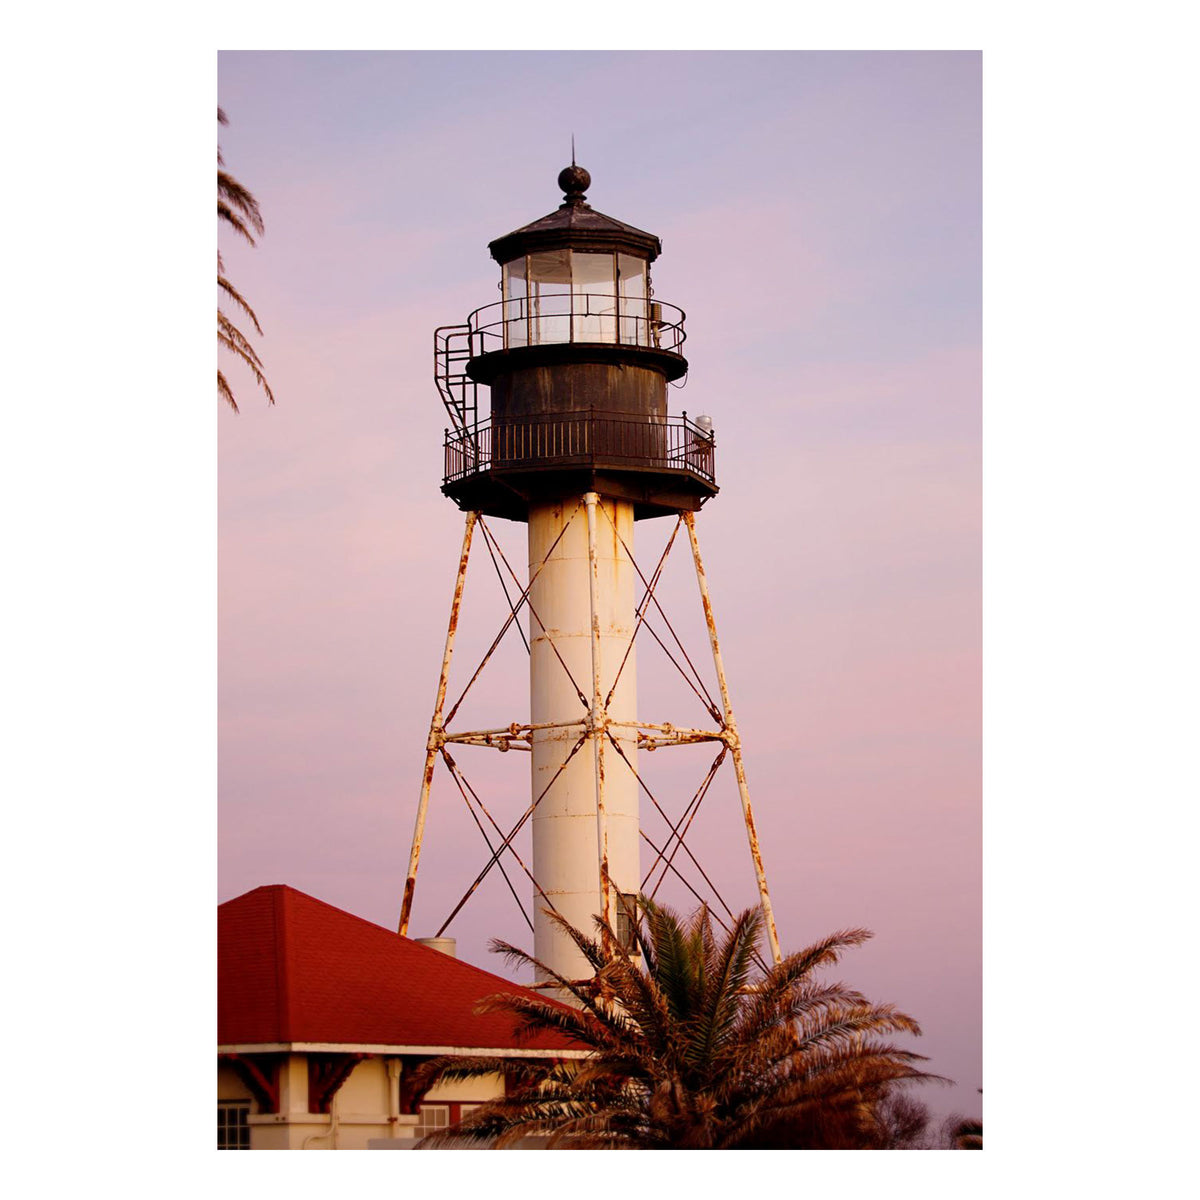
[{"x": 820, "y": 215}]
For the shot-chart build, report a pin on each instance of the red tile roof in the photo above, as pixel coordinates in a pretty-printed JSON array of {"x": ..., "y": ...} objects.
[{"x": 293, "y": 969}]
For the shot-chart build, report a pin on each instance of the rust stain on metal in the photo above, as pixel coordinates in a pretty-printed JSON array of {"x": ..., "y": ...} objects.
[
  {"x": 512, "y": 834},
  {"x": 436, "y": 725},
  {"x": 463, "y": 787},
  {"x": 462, "y": 779},
  {"x": 409, "y": 885},
  {"x": 523, "y": 599},
  {"x": 733, "y": 741},
  {"x": 644, "y": 606},
  {"x": 597, "y": 715}
]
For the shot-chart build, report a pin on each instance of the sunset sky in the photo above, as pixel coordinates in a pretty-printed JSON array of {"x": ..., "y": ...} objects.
[{"x": 820, "y": 217}]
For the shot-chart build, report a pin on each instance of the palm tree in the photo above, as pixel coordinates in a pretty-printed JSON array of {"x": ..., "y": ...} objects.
[
  {"x": 237, "y": 208},
  {"x": 698, "y": 1049}
]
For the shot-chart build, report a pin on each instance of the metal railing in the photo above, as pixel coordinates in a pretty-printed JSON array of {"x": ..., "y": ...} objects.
[
  {"x": 547, "y": 318},
  {"x": 580, "y": 439}
]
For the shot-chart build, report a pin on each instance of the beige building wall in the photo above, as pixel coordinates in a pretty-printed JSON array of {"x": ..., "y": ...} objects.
[{"x": 366, "y": 1107}]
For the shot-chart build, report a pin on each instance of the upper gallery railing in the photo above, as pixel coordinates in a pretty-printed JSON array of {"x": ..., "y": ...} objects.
[
  {"x": 546, "y": 318},
  {"x": 581, "y": 439}
]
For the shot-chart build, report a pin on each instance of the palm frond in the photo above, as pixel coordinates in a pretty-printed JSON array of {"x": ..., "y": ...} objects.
[
  {"x": 236, "y": 203},
  {"x": 232, "y": 339},
  {"x": 224, "y": 391},
  {"x": 238, "y": 299},
  {"x": 237, "y": 208},
  {"x": 727, "y": 969}
]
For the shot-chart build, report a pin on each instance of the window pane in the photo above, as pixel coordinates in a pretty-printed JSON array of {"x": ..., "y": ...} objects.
[
  {"x": 549, "y": 296},
  {"x": 516, "y": 330},
  {"x": 633, "y": 284},
  {"x": 550, "y": 270},
  {"x": 233, "y": 1125},
  {"x": 594, "y": 287},
  {"x": 432, "y": 1117}
]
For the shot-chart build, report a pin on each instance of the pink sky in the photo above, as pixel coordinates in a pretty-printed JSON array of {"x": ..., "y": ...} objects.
[{"x": 820, "y": 215}]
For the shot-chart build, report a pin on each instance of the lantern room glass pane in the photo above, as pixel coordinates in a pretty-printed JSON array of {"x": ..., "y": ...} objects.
[
  {"x": 594, "y": 297},
  {"x": 633, "y": 280},
  {"x": 550, "y": 296},
  {"x": 516, "y": 311}
]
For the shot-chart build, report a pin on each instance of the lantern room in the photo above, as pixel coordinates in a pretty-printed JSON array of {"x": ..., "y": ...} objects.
[
  {"x": 576, "y": 296},
  {"x": 578, "y": 276}
]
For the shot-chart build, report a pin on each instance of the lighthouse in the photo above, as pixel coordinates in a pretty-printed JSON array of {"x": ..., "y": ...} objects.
[{"x": 557, "y": 396}]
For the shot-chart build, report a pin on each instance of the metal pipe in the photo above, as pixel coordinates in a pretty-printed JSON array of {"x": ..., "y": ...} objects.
[
  {"x": 330, "y": 1133},
  {"x": 434, "y": 743},
  {"x": 597, "y": 714},
  {"x": 733, "y": 741}
]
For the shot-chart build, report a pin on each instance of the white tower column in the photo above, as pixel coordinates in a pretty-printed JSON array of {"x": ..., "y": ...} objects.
[{"x": 568, "y": 837}]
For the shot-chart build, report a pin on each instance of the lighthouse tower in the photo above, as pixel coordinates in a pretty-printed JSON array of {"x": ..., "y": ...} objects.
[{"x": 577, "y": 443}]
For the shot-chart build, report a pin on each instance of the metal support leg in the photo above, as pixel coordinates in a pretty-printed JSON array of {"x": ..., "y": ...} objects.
[
  {"x": 436, "y": 733},
  {"x": 734, "y": 742},
  {"x": 597, "y": 713}
]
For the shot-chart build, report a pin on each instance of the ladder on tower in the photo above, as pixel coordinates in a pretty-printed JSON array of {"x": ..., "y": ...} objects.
[{"x": 453, "y": 348}]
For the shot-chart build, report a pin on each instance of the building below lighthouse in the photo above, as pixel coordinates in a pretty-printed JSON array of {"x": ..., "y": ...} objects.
[{"x": 322, "y": 1018}]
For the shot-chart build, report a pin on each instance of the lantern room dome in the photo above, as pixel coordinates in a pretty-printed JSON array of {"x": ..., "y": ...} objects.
[{"x": 575, "y": 224}]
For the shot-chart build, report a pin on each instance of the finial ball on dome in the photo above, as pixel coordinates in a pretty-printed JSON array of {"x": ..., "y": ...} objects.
[{"x": 574, "y": 181}]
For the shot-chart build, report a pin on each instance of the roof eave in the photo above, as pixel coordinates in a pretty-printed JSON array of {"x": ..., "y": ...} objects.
[
  {"x": 561, "y": 229},
  {"x": 390, "y": 1048}
]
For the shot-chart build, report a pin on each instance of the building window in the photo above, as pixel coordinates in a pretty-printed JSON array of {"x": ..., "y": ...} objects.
[
  {"x": 431, "y": 1118},
  {"x": 626, "y": 930},
  {"x": 233, "y": 1124}
]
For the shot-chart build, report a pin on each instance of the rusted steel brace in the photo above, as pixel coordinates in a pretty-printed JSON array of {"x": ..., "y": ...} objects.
[
  {"x": 512, "y": 616},
  {"x": 524, "y": 599},
  {"x": 598, "y": 712},
  {"x": 650, "y": 743},
  {"x": 463, "y": 782},
  {"x": 643, "y": 607},
  {"x": 512, "y": 737},
  {"x": 734, "y": 742},
  {"x": 650, "y": 737},
  {"x": 685, "y": 820},
  {"x": 508, "y": 840},
  {"x": 662, "y": 813},
  {"x": 494, "y": 742},
  {"x": 488, "y": 542},
  {"x": 460, "y": 781},
  {"x": 676, "y": 872},
  {"x": 669, "y": 729},
  {"x": 704, "y": 698},
  {"x": 436, "y": 736},
  {"x": 679, "y": 737}
]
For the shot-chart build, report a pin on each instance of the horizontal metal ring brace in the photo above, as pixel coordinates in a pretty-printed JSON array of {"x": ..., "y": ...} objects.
[
  {"x": 518, "y": 737},
  {"x": 668, "y": 729},
  {"x": 648, "y": 742},
  {"x": 513, "y": 730},
  {"x": 496, "y": 742}
]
